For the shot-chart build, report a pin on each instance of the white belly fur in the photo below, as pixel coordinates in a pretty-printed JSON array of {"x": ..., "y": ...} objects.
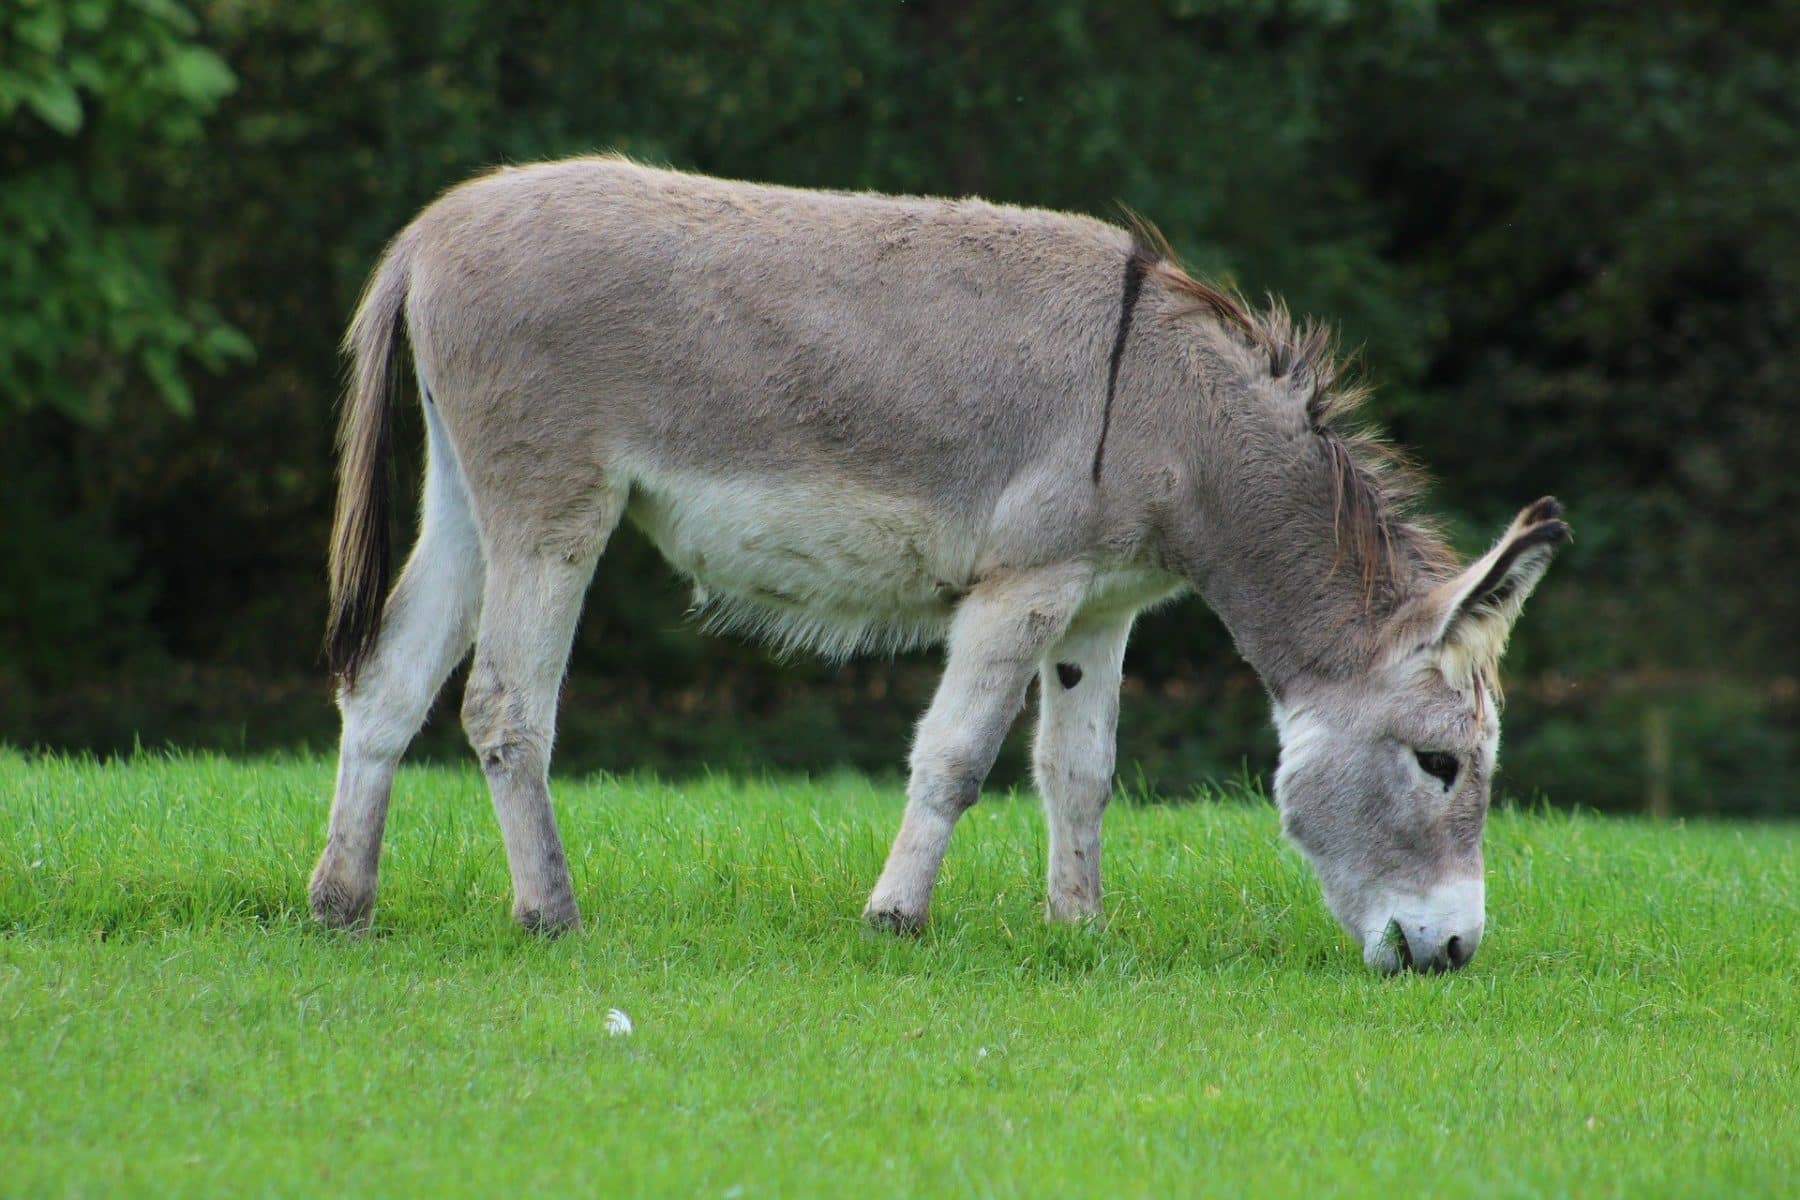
[{"x": 833, "y": 570}]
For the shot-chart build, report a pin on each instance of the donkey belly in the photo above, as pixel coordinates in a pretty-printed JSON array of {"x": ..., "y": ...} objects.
[{"x": 815, "y": 566}]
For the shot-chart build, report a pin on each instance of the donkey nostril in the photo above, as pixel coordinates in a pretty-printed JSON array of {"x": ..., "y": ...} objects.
[{"x": 1458, "y": 951}]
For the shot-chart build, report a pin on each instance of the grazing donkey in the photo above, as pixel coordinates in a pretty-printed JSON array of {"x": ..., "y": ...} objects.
[{"x": 860, "y": 421}]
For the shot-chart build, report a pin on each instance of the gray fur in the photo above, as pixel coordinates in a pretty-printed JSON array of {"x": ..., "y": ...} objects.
[{"x": 859, "y": 421}]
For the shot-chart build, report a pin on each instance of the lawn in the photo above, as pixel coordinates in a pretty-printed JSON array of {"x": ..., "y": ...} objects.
[{"x": 172, "y": 1023}]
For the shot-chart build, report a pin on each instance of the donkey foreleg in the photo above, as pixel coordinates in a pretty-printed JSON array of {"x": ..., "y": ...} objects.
[
  {"x": 1078, "y": 717},
  {"x": 996, "y": 638}
]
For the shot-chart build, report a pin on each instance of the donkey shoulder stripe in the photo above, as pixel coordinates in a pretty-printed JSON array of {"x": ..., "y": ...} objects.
[{"x": 1134, "y": 283}]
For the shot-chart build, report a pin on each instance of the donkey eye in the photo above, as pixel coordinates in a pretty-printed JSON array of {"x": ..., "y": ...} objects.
[{"x": 1438, "y": 765}]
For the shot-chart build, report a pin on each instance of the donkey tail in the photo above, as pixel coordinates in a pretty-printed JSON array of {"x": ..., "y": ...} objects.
[{"x": 361, "y": 538}]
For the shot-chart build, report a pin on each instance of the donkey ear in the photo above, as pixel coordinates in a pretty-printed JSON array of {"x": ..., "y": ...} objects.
[{"x": 1475, "y": 611}]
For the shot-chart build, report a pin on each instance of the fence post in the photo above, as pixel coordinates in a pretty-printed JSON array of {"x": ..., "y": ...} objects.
[{"x": 1656, "y": 761}]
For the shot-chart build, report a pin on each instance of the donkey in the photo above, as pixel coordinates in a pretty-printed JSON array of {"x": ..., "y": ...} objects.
[{"x": 867, "y": 422}]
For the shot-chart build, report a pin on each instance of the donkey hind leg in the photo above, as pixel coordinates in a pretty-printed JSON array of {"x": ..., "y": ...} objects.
[
  {"x": 426, "y": 628},
  {"x": 530, "y": 607},
  {"x": 1078, "y": 717},
  {"x": 996, "y": 638}
]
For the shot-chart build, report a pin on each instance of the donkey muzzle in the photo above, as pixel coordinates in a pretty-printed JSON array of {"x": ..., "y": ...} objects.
[{"x": 1435, "y": 932}]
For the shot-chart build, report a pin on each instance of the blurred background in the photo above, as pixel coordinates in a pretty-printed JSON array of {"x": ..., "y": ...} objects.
[{"x": 1564, "y": 236}]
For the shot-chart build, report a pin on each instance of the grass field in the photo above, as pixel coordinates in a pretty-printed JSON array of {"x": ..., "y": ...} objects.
[{"x": 172, "y": 1023}]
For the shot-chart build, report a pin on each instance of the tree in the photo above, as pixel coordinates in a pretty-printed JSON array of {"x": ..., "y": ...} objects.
[{"x": 91, "y": 93}]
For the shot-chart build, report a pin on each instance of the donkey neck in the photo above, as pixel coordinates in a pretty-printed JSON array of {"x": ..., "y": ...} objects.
[{"x": 1260, "y": 538}]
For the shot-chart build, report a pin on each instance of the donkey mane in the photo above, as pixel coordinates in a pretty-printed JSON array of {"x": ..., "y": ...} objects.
[{"x": 1375, "y": 485}]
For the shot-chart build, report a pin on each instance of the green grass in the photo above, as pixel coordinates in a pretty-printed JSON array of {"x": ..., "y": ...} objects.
[{"x": 171, "y": 1022}]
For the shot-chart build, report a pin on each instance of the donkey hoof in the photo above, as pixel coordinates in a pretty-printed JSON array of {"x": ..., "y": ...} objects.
[
  {"x": 549, "y": 920},
  {"x": 894, "y": 920},
  {"x": 336, "y": 905},
  {"x": 1084, "y": 913}
]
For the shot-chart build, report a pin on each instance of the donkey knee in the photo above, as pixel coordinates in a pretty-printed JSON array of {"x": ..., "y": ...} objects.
[
  {"x": 1086, "y": 786},
  {"x": 497, "y": 728},
  {"x": 947, "y": 779}
]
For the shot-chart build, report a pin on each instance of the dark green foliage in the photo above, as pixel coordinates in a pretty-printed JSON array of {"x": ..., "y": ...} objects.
[
  {"x": 1563, "y": 236},
  {"x": 94, "y": 94}
]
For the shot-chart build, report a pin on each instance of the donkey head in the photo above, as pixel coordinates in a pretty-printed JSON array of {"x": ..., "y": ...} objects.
[{"x": 1384, "y": 777}]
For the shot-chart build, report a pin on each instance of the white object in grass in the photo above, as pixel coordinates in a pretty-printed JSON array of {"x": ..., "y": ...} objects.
[{"x": 617, "y": 1023}]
